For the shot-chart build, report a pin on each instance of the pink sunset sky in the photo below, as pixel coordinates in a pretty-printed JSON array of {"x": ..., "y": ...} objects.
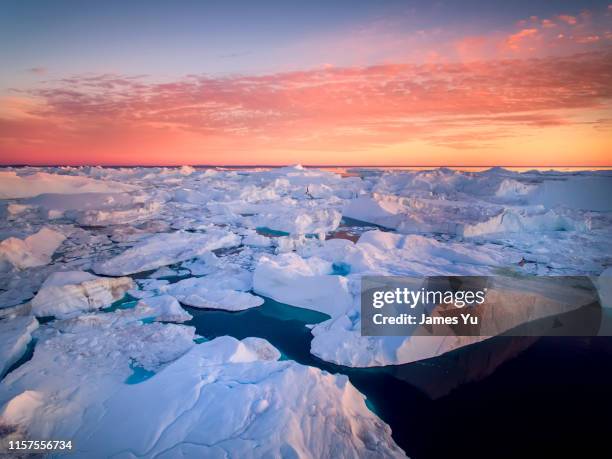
[{"x": 400, "y": 84}]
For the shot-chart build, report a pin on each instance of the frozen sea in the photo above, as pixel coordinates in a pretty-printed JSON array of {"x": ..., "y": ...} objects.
[{"x": 214, "y": 311}]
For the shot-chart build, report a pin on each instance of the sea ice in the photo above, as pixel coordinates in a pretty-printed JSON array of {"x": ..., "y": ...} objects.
[
  {"x": 511, "y": 190},
  {"x": 300, "y": 220},
  {"x": 309, "y": 281}
]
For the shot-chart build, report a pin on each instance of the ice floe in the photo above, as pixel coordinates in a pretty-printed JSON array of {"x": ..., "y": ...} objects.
[
  {"x": 339, "y": 339},
  {"x": 224, "y": 289}
]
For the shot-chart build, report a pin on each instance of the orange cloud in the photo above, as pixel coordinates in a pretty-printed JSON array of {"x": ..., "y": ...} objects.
[
  {"x": 571, "y": 20},
  {"x": 515, "y": 41},
  {"x": 357, "y": 108},
  {"x": 561, "y": 34}
]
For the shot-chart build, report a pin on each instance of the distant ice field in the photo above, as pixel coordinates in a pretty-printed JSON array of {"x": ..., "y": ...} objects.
[{"x": 102, "y": 270}]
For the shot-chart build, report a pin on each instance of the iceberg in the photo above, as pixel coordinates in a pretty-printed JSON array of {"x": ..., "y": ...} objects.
[
  {"x": 34, "y": 250},
  {"x": 378, "y": 209},
  {"x": 188, "y": 196},
  {"x": 13, "y": 185},
  {"x": 511, "y": 190},
  {"x": 165, "y": 249},
  {"x": 514, "y": 222},
  {"x": 219, "y": 238},
  {"x": 163, "y": 308},
  {"x": 515, "y": 301},
  {"x": 429, "y": 251},
  {"x": 256, "y": 240},
  {"x": 225, "y": 398},
  {"x": 204, "y": 264},
  {"x": 485, "y": 205},
  {"x": 576, "y": 192},
  {"x": 604, "y": 287},
  {"x": 138, "y": 212},
  {"x": 417, "y": 214},
  {"x": 221, "y": 290},
  {"x": 308, "y": 280},
  {"x": 299, "y": 221},
  {"x": 307, "y": 283},
  {"x": 66, "y": 293},
  {"x": 15, "y": 335},
  {"x": 99, "y": 209}
]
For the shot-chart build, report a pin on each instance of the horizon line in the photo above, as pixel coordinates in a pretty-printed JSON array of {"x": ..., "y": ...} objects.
[{"x": 303, "y": 165}]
